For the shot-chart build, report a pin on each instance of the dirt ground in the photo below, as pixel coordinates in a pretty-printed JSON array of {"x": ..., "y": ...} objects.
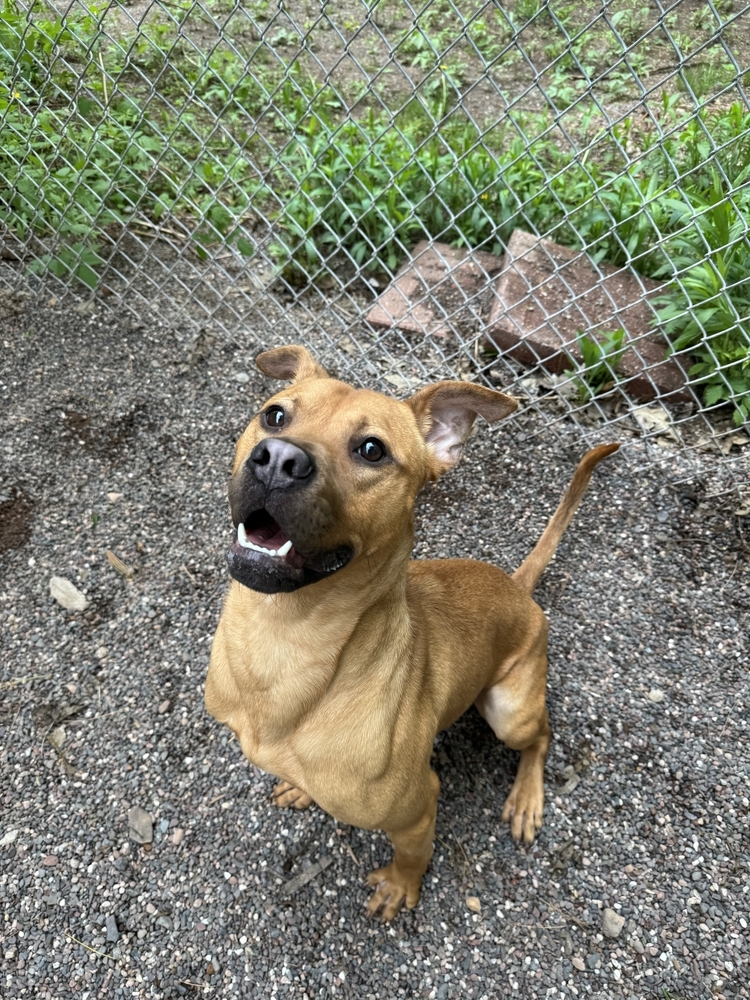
[{"x": 117, "y": 439}]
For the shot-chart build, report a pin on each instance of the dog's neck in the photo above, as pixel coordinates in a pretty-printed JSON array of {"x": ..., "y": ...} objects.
[
  {"x": 343, "y": 597},
  {"x": 324, "y": 616},
  {"x": 290, "y": 650}
]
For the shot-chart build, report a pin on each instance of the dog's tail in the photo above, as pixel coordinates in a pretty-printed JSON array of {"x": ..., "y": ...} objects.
[{"x": 528, "y": 573}]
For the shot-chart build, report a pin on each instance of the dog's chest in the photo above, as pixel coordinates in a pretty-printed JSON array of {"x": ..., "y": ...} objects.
[
  {"x": 338, "y": 752},
  {"x": 337, "y": 730}
]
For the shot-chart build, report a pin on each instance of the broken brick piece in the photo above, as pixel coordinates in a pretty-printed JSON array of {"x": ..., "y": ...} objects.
[
  {"x": 438, "y": 290},
  {"x": 547, "y": 293}
]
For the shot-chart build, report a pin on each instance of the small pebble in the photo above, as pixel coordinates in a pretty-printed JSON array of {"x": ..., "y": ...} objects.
[
  {"x": 140, "y": 826},
  {"x": 612, "y": 923},
  {"x": 113, "y": 934}
]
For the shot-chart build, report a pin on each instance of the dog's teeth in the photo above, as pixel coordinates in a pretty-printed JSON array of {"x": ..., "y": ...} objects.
[{"x": 247, "y": 544}]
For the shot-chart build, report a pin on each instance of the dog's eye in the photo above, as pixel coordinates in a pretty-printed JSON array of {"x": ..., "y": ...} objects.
[
  {"x": 274, "y": 417},
  {"x": 372, "y": 450}
]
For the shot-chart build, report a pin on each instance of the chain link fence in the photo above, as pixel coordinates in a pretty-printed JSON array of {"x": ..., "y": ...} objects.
[{"x": 550, "y": 197}]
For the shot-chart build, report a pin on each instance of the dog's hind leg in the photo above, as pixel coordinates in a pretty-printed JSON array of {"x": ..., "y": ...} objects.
[
  {"x": 524, "y": 806},
  {"x": 399, "y": 883},
  {"x": 286, "y": 796},
  {"x": 515, "y": 709}
]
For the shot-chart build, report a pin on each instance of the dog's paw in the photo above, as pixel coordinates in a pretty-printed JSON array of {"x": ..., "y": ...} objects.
[
  {"x": 286, "y": 796},
  {"x": 523, "y": 810},
  {"x": 392, "y": 892}
]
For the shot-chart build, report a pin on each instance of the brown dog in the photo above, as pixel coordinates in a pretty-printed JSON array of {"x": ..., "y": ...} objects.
[{"x": 340, "y": 687}]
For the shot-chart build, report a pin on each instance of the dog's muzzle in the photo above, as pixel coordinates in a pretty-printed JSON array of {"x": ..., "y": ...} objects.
[{"x": 271, "y": 503}]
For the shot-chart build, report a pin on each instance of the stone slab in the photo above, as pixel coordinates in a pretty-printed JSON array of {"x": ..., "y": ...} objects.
[
  {"x": 439, "y": 290},
  {"x": 546, "y": 293}
]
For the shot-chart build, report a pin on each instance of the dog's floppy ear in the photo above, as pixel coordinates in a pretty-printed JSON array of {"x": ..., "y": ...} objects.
[
  {"x": 446, "y": 411},
  {"x": 293, "y": 363}
]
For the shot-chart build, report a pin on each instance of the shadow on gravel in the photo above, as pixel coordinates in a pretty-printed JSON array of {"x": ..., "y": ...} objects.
[{"x": 16, "y": 509}]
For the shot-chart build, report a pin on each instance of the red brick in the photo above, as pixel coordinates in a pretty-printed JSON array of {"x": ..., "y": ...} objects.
[
  {"x": 438, "y": 290},
  {"x": 546, "y": 293}
]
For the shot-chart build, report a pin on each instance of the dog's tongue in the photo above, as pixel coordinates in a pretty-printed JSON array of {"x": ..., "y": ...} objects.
[
  {"x": 270, "y": 536},
  {"x": 273, "y": 537}
]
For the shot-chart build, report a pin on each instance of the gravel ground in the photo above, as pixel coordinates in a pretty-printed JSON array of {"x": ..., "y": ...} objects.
[{"x": 111, "y": 440}]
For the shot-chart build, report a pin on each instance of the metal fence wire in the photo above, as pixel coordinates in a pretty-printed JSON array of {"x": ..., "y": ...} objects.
[{"x": 550, "y": 197}]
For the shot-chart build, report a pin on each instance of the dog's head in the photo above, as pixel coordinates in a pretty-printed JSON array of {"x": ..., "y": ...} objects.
[{"x": 326, "y": 474}]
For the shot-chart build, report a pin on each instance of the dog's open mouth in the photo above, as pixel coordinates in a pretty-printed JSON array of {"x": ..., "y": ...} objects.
[
  {"x": 261, "y": 533},
  {"x": 263, "y": 557}
]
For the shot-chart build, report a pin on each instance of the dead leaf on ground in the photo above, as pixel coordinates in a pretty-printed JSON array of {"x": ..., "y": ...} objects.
[
  {"x": 50, "y": 715},
  {"x": 57, "y": 737},
  {"x": 656, "y": 421},
  {"x": 733, "y": 440},
  {"x": 348, "y": 345},
  {"x": 473, "y": 904},
  {"x": 117, "y": 564},
  {"x": 398, "y": 381}
]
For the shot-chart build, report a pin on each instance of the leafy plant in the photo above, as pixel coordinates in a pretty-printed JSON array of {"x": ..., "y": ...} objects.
[
  {"x": 704, "y": 79},
  {"x": 104, "y": 128},
  {"x": 724, "y": 374},
  {"x": 487, "y": 42},
  {"x": 524, "y": 10},
  {"x": 27, "y": 46},
  {"x": 77, "y": 260},
  {"x": 707, "y": 312},
  {"x": 630, "y": 23},
  {"x": 598, "y": 370}
]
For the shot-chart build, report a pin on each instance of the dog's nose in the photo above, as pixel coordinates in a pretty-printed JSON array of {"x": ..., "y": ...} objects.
[{"x": 278, "y": 463}]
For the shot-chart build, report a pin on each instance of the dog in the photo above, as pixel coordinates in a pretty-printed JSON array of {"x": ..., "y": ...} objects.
[{"x": 338, "y": 658}]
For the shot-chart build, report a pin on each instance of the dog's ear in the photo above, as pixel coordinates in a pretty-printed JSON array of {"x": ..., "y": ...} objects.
[
  {"x": 293, "y": 363},
  {"x": 446, "y": 411}
]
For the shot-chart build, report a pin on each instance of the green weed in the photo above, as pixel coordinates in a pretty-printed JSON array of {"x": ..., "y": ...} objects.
[
  {"x": 704, "y": 79},
  {"x": 708, "y": 312},
  {"x": 630, "y": 23},
  {"x": 597, "y": 372},
  {"x": 27, "y": 48},
  {"x": 524, "y": 10}
]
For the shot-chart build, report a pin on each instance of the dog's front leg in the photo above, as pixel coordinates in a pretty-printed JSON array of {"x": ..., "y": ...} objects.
[
  {"x": 288, "y": 796},
  {"x": 399, "y": 883}
]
